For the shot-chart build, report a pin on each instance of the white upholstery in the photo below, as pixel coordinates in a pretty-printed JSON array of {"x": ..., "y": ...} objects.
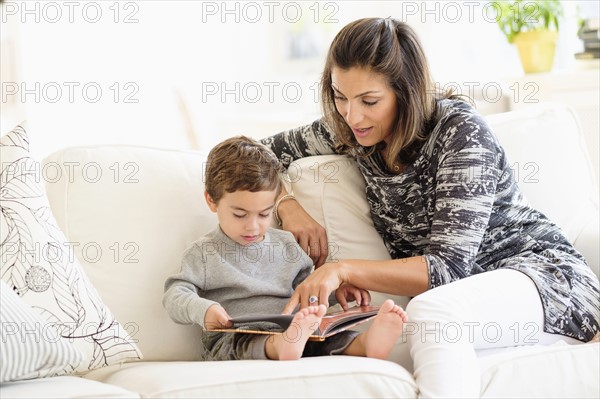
[
  {"x": 330, "y": 377},
  {"x": 142, "y": 218},
  {"x": 63, "y": 387},
  {"x": 546, "y": 147},
  {"x": 161, "y": 213},
  {"x": 340, "y": 186},
  {"x": 558, "y": 371}
]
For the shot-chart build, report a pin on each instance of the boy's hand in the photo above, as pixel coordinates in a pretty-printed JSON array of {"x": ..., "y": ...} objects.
[
  {"x": 216, "y": 317},
  {"x": 347, "y": 292}
]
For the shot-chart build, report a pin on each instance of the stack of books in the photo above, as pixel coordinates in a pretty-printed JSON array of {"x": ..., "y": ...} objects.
[{"x": 590, "y": 36}]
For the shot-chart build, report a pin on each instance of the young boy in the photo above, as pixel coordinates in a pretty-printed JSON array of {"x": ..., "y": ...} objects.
[{"x": 244, "y": 266}]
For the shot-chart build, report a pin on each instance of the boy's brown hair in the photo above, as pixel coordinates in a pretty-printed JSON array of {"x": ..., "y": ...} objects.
[{"x": 241, "y": 164}]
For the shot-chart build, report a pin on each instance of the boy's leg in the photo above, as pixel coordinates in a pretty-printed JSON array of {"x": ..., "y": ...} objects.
[
  {"x": 334, "y": 345},
  {"x": 378, "y": 341},
  {"x": 233, "y": 346},
  {"x": 290, "y": 344}
]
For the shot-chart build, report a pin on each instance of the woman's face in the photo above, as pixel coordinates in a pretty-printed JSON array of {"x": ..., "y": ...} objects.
[{"x": 366, "y": 102}]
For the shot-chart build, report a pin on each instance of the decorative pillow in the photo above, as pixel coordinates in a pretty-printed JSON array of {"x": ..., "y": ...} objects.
[
  {"x": 31, "y": 347},
  {"x": 38, "y": 263},
  {"x": 332, "y": 190}
]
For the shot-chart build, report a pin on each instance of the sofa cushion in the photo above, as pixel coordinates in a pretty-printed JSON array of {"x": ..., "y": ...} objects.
[
  {"x": 546, "y": 148},
  {"x": 37, "y": 262},
  {"x": 332, "y": 190},
  {"x": 63, "y": 387},
  {"x": 558, "y": 371},
  {"x": 30, "y": 347},
  {"x": 143, "y": 209},
  {"x": 314, "y": 377}
]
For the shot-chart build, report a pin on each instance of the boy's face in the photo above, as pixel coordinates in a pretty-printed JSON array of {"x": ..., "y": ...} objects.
[{"x": 244, "y": 216}]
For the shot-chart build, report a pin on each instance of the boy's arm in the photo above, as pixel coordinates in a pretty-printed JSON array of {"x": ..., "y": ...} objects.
[
  {"x": 182, "y": 298},
  {"x": 183, "y": 303}
]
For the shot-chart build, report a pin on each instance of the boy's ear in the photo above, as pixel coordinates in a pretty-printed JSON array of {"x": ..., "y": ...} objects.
[{"x": 209, "y": 201}]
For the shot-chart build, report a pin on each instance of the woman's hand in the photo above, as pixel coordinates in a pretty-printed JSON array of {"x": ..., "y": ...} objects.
[
  {"x": 320, "y": 283},
  {"x": 216, "y": 317},
  {"x": 309, "y": 234},
  {"x": 347, "y": 292}
]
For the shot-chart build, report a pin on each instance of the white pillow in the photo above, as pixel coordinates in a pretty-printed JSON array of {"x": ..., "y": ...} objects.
[
  {"x": 546, "y": 150},
  {"x": 39, "y": 264},
  {"x": 145, "y": 209},
  {"x": 31, "y": 347},
  {"x": 332, "y": 190}
]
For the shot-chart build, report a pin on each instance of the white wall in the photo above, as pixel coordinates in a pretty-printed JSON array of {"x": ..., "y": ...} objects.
[{"x": 146, "y": 56}]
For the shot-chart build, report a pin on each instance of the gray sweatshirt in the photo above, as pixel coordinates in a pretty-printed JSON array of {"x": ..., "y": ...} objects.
[{"x": 256, "y": 278}]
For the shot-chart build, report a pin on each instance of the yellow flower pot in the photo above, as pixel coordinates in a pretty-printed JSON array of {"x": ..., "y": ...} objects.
[{"x": 536, "y": 50}]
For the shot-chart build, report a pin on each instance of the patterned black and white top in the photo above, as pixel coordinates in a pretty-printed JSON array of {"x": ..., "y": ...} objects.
[{"x": 458, "y": 205}]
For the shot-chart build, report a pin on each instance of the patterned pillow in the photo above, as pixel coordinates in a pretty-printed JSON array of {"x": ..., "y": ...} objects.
[
  {"x": 38, "y": 263},
  {"x": 31, "y": 348}
]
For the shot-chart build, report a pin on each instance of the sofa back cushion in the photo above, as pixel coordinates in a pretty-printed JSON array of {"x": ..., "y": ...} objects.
[
  {"x": 546, "y": 148},
  {"x": 131, "y": 212}
]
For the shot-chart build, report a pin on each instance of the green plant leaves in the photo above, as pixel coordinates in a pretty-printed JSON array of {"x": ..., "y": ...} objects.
[{"x": 514, "y": 17}]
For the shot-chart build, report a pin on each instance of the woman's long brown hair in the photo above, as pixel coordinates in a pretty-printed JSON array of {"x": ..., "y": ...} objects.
[{"x": 391, "y": 48}]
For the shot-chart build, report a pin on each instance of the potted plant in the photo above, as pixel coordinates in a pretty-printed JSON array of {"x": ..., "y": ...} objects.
[{"x": 532, "y": 26}]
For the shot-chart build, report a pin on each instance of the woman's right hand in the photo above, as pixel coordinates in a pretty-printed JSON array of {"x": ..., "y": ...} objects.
[
  {"x": 320, "y": 283},
  {"x": 309, "y": 234}
]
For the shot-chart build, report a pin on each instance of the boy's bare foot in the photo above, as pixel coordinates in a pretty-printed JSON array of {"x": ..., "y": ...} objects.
[
  {"x": 385, "y": 330},
  {"x": 293, "y": 340}
]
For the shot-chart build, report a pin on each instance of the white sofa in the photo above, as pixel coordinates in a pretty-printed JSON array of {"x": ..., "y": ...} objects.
[{"x": 148, "y": 207}]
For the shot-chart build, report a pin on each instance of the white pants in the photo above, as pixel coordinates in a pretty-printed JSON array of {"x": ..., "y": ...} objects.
[{"x": 501, "y": 308}]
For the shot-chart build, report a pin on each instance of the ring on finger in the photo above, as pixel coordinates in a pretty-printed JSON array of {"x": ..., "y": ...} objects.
[{"x": 313, "y": 299}]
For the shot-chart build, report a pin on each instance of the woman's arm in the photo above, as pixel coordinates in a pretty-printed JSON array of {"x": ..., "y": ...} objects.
[
  {"x": 301, "y": 142},
  {"x": 467, "y": 176},
  {"x": 409, "y": 277},
  {"x": 310, "y": 235}
]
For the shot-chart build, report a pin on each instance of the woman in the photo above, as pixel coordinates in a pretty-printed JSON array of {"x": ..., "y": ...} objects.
[{"x": 444, "y": 199}]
